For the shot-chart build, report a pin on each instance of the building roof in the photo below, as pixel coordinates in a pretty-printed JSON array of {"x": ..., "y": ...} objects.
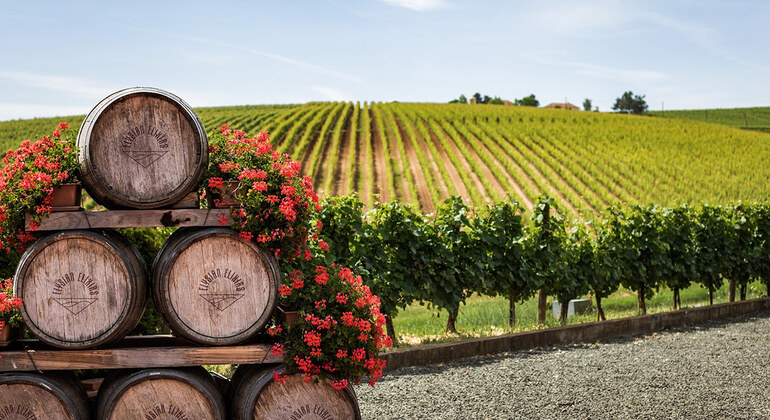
[{"x": 562, "y": 105}]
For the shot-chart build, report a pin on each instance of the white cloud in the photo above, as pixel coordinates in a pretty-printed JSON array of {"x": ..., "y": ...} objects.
[
  {"x": 604, "y": 72},
  {"x": 581, "y": 18},
  {"x": 332, "y": 94},
  {"x": 419, "y": 5},
  {"x": 56, "y": 83},
  {"x": 273, "y": 56}
]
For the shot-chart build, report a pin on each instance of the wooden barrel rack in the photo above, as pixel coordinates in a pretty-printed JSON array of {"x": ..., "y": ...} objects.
[{"x": 143, "y": 152}]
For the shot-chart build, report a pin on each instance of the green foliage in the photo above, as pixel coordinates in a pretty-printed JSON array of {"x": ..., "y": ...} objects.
[
  {"x": 395, "y": 243},
  {"x": 630, "y": 103},
  {"x": 499, "y": 231},
  {"x": 148, "y": 241},
  {"x": 747, "y": 252},
  {"x": 544, "y": 255},
  {"x": 643, "y": 255},
  {"x": 677, "y": 230},
  {"x": 580, "y": 266},
  {"x": 451, "y": 260},
  {"x": 714, "y": 238},
  {"x": 8, "y": 263},
  {"x": 528, "y": 101},
  {"x": 587, "y": 105}
]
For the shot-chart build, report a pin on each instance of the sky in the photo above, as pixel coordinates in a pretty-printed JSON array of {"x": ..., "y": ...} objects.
[{"x": 62, "y": 58}]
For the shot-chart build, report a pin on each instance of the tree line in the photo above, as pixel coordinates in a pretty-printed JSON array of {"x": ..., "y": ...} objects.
[{"x": 442, "y": 259}]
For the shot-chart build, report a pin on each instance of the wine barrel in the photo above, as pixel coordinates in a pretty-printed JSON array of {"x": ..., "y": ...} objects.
[
  {"x": 255, "y": 395},
  {"x": 141, "y": 148},
  {"x": 81, "y": 289},
  {"x": 55, "y": 396},
  {"x": 183, "y": 394},
  {"x": 213, "y": 288}
]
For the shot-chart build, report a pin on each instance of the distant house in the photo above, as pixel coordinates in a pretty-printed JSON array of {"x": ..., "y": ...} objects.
[{"x": 563, "y": 105}]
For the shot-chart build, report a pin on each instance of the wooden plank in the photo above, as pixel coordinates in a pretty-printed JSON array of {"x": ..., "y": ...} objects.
[
  {"x": 143, "y": 357},
  {"x": 131, "y": 219}
]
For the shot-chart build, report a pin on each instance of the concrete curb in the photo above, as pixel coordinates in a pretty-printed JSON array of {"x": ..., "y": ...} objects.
[{"x": 589, "y": 332}]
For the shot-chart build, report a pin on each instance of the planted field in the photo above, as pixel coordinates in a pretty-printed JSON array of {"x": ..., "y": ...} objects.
[
  {"x": 749, "y": 118},
  {"x": 423, "y": 153}
]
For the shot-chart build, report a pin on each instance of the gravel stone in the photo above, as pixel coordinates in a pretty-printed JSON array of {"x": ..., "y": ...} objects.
[{"x": 714, "y": 370}]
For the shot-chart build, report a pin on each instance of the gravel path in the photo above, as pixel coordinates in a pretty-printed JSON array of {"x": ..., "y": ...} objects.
[{"x": 709, "y": 371}]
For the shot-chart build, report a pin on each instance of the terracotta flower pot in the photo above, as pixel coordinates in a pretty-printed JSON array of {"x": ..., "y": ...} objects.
[
  {"x": 66, "y": 197},
  {"x": 285, "y": 315},
  {"x": 230, "y": 196},
  {"x": 10, "y": 334}
]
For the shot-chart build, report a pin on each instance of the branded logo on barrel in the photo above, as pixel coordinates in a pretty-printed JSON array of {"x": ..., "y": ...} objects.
[
  {"x": 144, "y": 144},
  {"x": 221, "y": 287},
  {"x": 16, "y": 411},
  {"x": 164, "y": 412},
  {"x": 317, "y": 412},
  {"x": 75, "y": 292}
]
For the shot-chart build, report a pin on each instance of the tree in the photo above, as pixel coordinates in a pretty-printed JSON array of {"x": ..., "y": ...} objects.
[
  {"x": 481, "y": 100},
  {"x": 630, "y": 103},
  {"x": 496, "y": 101},
  {"x": 528, "y": 101},
  {"x": 461, "y": 100},
  {"x": 587, "y": 104}
]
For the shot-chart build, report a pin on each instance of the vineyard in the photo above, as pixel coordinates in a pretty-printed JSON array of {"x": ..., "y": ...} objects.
[
  {"x": 425, "y": 153},
  {"x": 748, "y": 118}
]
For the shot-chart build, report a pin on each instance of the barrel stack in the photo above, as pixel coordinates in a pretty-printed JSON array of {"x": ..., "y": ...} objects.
[{"x": 143, "y": 152}]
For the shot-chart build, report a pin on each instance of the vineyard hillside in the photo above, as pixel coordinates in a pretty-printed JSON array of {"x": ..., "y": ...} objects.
[
  {"x": 747, "y": 118},
  {"x": 424, "y": 153}
]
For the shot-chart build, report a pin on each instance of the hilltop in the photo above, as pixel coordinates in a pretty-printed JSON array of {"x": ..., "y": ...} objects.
[{"x": 423, "y": 153}]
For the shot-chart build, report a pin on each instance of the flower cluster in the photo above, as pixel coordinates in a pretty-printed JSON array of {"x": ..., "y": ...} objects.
[
  {"x": 27, "y": 180},
  {"x": 275, "y": 203},
  {"x": 340, "y": 328},
  {"x": 9, "y": 306}
]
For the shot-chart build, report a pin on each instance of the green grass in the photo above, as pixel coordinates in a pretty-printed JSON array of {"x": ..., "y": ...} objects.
[
  {"x": 488, "y": 316},
  {"x": 749, "y": 118}
]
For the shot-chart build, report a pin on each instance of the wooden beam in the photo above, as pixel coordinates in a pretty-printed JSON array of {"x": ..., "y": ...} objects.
[
  {"x": 138, "y": 357},
  {"x": 131, "y": 219}
]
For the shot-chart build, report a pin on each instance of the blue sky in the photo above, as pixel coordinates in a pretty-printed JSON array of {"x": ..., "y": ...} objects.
[{"x": 61, "y": 58}]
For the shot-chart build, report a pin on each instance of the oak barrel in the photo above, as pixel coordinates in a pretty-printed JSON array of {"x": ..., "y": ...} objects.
[
  {"x": 141, "y": 148},
  {"x": 213, "y": 288},
  {"x": 55, "y": 396},
  {"x": 183, "y": 394},
  {"x": 81, "y": 289},
  {"x": 254, "y": 394}
]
